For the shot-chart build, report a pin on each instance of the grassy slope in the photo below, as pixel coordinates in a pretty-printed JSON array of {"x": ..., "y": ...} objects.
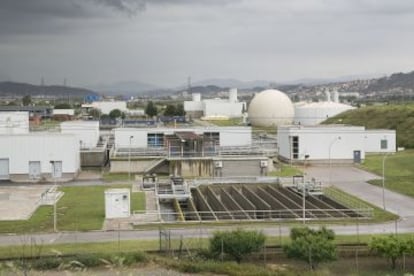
[
  {"x": 399, "y": 172},
  {"x": 398, "y": 117},
  {"x": 81, "y": 208}
]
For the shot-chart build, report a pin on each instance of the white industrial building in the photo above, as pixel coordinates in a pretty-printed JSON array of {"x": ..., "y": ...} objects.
[
  {"x": 87, "y": 132},
  {"x": 154, "y": 137},
  {"x": 39, "y": 157},
  {"x": 107, "y": 106},
  {"x": 215, "y": 108},
  {"x": 270, "y": 108},
  {"x": 316, "y": 112},
  {"x": 68, "y": 112},
  {"x": 14, "y": 122},
  {"x": 332, "y": 143}
]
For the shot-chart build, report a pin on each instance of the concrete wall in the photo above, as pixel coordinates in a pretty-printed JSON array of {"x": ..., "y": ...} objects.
[
  {"x": 235, "y": 136},
  {"x": 191, "y": 168},
  {"x": 229, "y": 136},
  {"x": 137, "y": 165},
  {"x": 87, "y": 132},
  {"x": 14, "y": 122},
  {"x": 372, "y": 141},
  {"x": 93, "y": 158},
  {"x": 20, "y": 149},
  {"x": 322, "y": 143},
  {"x": 218, "y": 108}
]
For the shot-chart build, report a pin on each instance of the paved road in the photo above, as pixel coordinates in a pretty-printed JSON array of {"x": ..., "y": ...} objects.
[
  {"x": 350, "y": 179},
  {"x": 353, "y": 181}
]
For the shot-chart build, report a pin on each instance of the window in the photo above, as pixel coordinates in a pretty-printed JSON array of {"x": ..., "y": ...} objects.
[
  {"x": 155, "y": 140},
  {"x": 384, "y": 144},
  {"x": 295, "y": 147},
  {"x": 215, "y": 136}
]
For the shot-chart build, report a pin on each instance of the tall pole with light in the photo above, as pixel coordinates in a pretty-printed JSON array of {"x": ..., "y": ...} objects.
[
  {"x": 329, "y": 154},
  {"x": 383, "y": 180},
  {"x": 129, "y": 158}
]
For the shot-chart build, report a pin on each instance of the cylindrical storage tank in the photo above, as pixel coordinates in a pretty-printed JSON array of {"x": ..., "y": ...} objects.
[
  {"x": 327, "y": 95},
  {"x": 196, "y": 97},
  {"x": 316, "y": 113},
  {"x": 336, "y": 96},
  {"x": 270, "y": 108},
  {"x": 233, "y": 95}
]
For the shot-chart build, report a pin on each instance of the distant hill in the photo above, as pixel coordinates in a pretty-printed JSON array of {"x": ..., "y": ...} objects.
[
  {"x": 397, "y": 81},
  {"x": 397, "y": 117},
  {"x": 125, "y": 88},
  {"x": 21, "y": 89}
]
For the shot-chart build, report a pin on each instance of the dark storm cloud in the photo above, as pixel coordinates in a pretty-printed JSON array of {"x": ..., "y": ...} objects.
[{"x": 53, "y": 16}]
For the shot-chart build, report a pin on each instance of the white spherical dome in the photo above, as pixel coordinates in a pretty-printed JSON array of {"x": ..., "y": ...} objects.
[{"x": 271, "y": 108}]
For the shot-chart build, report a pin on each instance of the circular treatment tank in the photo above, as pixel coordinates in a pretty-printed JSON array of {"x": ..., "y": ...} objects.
[{"x": 270, "y": 108}]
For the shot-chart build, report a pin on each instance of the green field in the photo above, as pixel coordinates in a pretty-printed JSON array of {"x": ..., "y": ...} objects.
[
  {"x": 80, "y": 209},
  {"x": 398, "y": 117},
  {"x": 286, "y": 171},
  {"x": 399, "y": 172}
]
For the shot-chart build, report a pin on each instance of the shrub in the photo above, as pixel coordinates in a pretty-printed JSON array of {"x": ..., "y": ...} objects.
[
  {"x": 312, "y": 246},
  {"x": 46, "y": 263},
  {"x": 236, "y": 244}
]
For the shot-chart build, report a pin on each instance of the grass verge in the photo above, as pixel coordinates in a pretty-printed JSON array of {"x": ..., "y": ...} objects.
[
  {"x": 399, "y": 173},
  {"x": 80, "y": 209}
]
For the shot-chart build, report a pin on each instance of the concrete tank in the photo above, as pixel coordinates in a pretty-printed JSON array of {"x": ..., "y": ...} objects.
[
  {"x": 196, "y": 97},
  {"x": 233, "y": 95}
]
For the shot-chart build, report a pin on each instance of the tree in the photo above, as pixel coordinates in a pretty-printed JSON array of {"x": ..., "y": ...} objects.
[
  {"x": 115, "y": 113},
  {"x": 391, "y": 247},
  {"x": 170, "y": 110},
  {"x": 27, "y": 100},
  {"x": 312, "y": 246},
  {"x": 237, "y": 243},
  {"x": 151, "y": 109},
  {"x": 180, "y": 110},
  {"x": 63, "y": 106},
  {"x": 95, "y": 113}
]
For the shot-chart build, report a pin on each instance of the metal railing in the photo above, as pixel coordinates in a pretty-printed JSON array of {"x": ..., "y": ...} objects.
[
  {"x": 234, "y": 180},
  {"x": 265, "y": 215}
]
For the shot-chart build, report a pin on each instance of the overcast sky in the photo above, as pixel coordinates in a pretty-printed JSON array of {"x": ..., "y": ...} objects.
[{"x": 164, "y": 41}]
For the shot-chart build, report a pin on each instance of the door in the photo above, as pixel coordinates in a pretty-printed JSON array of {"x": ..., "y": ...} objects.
[
  {"x": 357, "y": 156},
  {"x": 56, "y": 169},
  {"x": 4, "y": 169},
  {"x": 34, "y": 169}
]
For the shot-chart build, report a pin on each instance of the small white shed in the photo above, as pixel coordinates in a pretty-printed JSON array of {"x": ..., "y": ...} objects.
[{"x": 117, "y": 203}]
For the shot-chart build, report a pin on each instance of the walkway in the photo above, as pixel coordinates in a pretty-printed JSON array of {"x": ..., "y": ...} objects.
[{"x": 354, "y": 181}]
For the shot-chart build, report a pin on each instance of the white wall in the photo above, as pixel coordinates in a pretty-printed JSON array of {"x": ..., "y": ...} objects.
[
  {"x": 322, "y": 143},
  {"x": 236, "y": 136},
  {"x": 372, "y": 141},
  {"x": 14, "y": 122},
  {"x": 43, "y": 147},
  {"x": 217, "y": 108},
  {"x": 122, "y": 137},
  {"x": 107, "y": 106},
  {"x": 69, "y": 112},
  {"x": 87, "y": 132},
  {"x": 229, "y": 136},
  {"x": 193, "y": 106}
]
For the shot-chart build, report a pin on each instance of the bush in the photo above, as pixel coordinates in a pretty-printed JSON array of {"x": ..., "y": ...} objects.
[
  {"x": 46, "y": 263},
  {"x": 236, "y": 244},
  {"x": 312, "y": 246}
]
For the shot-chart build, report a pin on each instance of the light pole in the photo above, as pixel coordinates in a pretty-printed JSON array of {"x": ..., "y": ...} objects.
[
  {"x": 129, "y": 158},
  {"x": 330, "y": 161},
  {"x": 383, "y": 180}
]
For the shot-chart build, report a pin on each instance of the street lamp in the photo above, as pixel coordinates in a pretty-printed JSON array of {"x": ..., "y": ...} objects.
[
  {"x": 330, "y": 161},
  {"x": 383, "y": 180},
  {"x": 129, "y": 158}
]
